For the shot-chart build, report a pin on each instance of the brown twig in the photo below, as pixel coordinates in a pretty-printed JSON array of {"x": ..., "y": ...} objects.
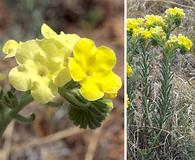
[
  {"x": 93, "y": 144},
  {"x": 4, "y": 154},
  {"x": 95, "y": 138},
  {"x": 48, "y": 139}
]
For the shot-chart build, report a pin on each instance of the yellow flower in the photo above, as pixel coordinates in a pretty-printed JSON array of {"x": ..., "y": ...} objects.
[
  {"x": 175, "y": 12},
  {"x": 129, "y": 70},
  {"x": 42, "y": 65},
  {"x": 180, "y": 40},
  {"x": 92, "y": 67},
  {"x": 172, "y": 41},
  {"x": 147, "y": 34},
  {"x": 133, "y": 23},
  {"x": 10, "y": 48},
  {"x": 157, "y": 31},
  {"x": 137, "y": 32},
  {"x": 185, "y": 42},
  {"x": 67, "y": 40},
  {"x": 142, "y": 33},
  {"x": 154, "y": 20}
]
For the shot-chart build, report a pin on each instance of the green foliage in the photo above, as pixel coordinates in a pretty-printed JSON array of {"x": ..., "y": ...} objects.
[
  {"x": 90, "y": 116},
  {"x": 10, "y": 106},
  {"x": 84, "y": 113}
]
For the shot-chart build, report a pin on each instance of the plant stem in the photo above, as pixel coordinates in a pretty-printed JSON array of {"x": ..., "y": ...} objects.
[
  {"x": 145, "y": 72},
  {"x": 67, "y": 93},
  {"x": 6, "y": 112},
  {"x": 164, "y": 99}
]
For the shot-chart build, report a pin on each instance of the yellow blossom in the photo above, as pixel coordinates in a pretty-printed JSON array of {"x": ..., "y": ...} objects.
[
  {"x": 142, "y": 32},
  {"x": 42, "y": 65},
  {"x": 129, "y": 70},
  {"x": 157, "y": 31},
  {"x": 180, "y": 40},
  {"x": 172, "y": 41},
  {"x": 10, "y": 48},
  {"x": 92, "y": 66},
  {"x": 185, "y": 42},
  {"x": 154, "y": 20},
  {"x": 137, "y": 32},
  {"x": 133, "y": 23},
  {"x": 146, "y": 34},
  {"x": 67, "y": 40},
  {"x": 175, "y": 12}
]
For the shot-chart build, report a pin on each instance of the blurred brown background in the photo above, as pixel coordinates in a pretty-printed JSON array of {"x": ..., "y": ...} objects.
[{"x": 53, "y": 136}]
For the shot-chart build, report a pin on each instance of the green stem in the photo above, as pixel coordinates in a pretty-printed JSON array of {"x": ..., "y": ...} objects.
[
  {"x": 6, "y": 112},
  {"x": 67, "y": 92}
]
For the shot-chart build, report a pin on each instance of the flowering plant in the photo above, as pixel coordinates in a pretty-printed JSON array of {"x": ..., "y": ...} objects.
[
  {"x": 60, "y": 64},
  {"x": 145, "y": 35}
]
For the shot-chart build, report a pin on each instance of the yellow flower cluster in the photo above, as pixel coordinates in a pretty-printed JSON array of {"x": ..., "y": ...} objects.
[
  {"x": 154, "y": 20},
  {"x": 157, "y": 31},
  {"x": 44, "y": 65},
  {"x": 185, "y": 42},
  {"x": 148, "y": 33},
  {"x": 153, "y": 25},
  {"x": 181, "y": 41},
  {"x": 147, "y": 28},
  {"x": 175, "y": 12},
  {"x": 133, "y": 23}
]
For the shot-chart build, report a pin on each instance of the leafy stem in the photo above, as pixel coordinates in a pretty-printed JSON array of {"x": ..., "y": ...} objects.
[
  {"x": 146, "y": 88},
  {"x": 8, "y": 112},
  {"x": 164, "y": 99}
]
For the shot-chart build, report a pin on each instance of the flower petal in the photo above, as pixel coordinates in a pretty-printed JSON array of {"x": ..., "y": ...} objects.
[
  {"x": 76, "y": 72},
  {"x": 28, "y": 50},
  {"x": 52, "y": 48},
  {"x": 47, "y": 32},
  {"x": 62, "y": 77},
  {"x": 68, "y": 40},
  {"x": 105, "y": 60},
  {"x": 84, "y": 52},
  {"x": 43, "y": 90},
  {"x": 20, "y": 80},
  {"x": 90, "y": 90},
  {"x": 111, "y": 83},
  {"x": 10, "y": 48}
]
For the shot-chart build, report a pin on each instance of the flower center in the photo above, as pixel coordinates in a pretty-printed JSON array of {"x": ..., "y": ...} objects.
[
  {"x": 42, "y": 72},
  {"x": 89, "y": 72}
]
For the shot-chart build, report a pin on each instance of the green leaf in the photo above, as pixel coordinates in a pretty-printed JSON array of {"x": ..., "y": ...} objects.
[
  {"x": 89, "y": 117},
  {"x": 22, "y": 119},
  {"x": 55, "y": 104}
]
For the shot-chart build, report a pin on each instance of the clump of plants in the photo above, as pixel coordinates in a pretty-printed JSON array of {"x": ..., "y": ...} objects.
[
  {"x": 60, "y": 64},
  {"x": 151, "y": 133}
]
